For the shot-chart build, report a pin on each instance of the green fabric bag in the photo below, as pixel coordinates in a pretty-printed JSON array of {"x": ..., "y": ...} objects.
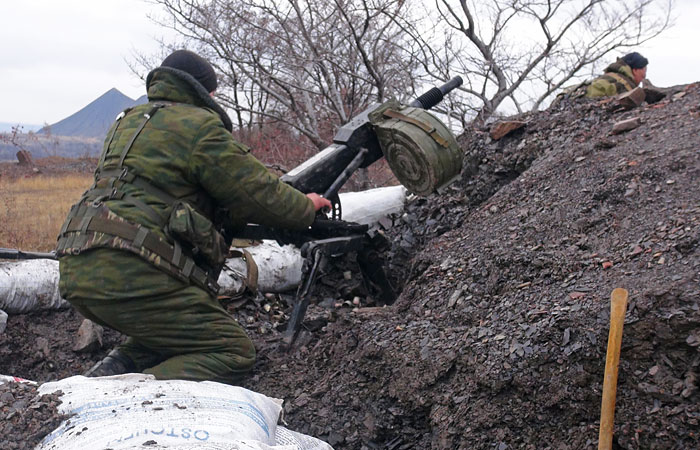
[{"x": 197, "y": 233}]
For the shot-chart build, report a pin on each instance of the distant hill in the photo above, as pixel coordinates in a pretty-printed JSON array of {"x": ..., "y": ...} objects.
[
  {"x": 80, "y": 134},
  {"x": 94, "y": 120}
]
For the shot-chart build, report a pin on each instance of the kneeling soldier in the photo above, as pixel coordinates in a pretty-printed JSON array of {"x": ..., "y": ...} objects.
[{"x": 141, "y": 251}]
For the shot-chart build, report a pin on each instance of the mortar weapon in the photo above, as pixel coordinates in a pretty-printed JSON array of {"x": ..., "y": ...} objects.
[{"x": 355, "y": 146}]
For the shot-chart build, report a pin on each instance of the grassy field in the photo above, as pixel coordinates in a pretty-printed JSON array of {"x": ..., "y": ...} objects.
[{"x": 32, "y": 209}]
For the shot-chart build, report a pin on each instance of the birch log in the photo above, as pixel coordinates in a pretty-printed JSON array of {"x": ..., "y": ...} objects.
[{"x": 29, "y": 285}]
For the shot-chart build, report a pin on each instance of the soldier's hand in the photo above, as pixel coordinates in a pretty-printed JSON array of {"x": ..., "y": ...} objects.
[{"x": 319, "y": 202}]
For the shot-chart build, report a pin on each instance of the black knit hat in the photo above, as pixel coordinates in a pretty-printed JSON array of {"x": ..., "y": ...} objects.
[
  {"x": 635, "y": 60},
  {"x": 193, "y": 64}
]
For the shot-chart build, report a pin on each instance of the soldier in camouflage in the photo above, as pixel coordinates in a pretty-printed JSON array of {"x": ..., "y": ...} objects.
[
  {"x": 141, "y": 251},
  {"x": 621, "y": 76}
]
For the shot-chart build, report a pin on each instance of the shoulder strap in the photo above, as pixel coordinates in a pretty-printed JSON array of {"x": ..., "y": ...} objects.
[
  {"x": 146, "y": 117},
  {"x": 111, "y": 138},
  {"x": 429, "y": 129},
  {"x": 120, "y": 175}
]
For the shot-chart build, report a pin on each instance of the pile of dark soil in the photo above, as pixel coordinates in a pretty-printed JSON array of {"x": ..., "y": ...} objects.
[
  {"x": 498, "y": 339},
  {"x": 26, "y": 416}
]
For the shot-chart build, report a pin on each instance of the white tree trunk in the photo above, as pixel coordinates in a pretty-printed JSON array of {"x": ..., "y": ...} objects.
[{"x": 29, "y": 285}]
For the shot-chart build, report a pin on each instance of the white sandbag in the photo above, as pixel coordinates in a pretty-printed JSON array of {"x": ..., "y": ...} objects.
[
  {"x": 368, "y": 207},
  {"x": 279, "y": 269},
  {"x": 297, "y": 441},
  {"x": 137, "y": 411},
  {"x": 29, "y": 286},
  {"x": 9, "y": 378}
]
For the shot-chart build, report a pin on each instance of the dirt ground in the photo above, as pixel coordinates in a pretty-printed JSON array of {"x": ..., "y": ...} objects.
[
  {"x": 498, "y": 339},
  {"x": 53, "y": 165}
]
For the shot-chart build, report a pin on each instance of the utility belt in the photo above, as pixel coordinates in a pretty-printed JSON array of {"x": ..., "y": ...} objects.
[
  {"x": 197, "y": 252},
  {"x": 101, "y": 228}
]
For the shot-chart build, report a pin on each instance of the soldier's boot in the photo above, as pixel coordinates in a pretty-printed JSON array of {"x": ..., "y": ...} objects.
[{"x": 115, "y": 363}]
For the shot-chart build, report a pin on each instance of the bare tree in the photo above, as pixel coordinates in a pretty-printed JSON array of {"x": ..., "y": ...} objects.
[
  {"x": 311, "y": 65},
  {"x": 13, "y": 137},
  {"x": 523, "y": 51}
]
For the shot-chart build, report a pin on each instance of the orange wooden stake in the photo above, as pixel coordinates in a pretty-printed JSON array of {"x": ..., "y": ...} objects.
[{"x": 618, "y": 306}]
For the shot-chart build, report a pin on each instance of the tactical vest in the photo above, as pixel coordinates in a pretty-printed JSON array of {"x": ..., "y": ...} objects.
[
  {"x": 195, "y": 251},
  {"x": 621, "y": 82},
  {"x": 571, "y": 92}
]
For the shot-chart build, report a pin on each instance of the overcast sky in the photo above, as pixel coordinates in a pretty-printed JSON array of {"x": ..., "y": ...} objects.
[{"x": 57, "y": 56}]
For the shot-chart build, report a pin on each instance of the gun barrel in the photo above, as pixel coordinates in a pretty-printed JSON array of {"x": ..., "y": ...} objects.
[
  {"x": 436, "y": 94},
  {"x": 11, "y": 253},
  {"x": 328, "y": 170}
]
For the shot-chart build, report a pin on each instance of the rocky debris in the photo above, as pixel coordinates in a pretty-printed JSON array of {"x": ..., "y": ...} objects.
[
  {"x": 89, "y": 338},
  {"x": 39, "y": 346},
  {"x": 654, "y": 94},
  {"x": 498, "y": 339},
  {"x": 626, "y": 125},
  {"x": 631, "y": 99},
  {"x": 503, "y": 128},
  {"x": 25, "y": 417}
]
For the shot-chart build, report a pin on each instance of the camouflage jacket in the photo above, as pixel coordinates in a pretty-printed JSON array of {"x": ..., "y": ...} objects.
[
  {"x": 617, "y": 79},
  {"x": 185, "y": 150}
]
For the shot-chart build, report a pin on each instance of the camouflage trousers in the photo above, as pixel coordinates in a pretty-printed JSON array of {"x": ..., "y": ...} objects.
[{"x": 181, "y": 334}]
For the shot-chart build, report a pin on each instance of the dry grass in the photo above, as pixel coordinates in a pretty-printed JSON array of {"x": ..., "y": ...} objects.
[{"x": 33, "y": 209}]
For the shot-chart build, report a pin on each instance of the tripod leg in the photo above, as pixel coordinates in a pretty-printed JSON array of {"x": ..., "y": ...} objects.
[{"x": 301, "y": 301}]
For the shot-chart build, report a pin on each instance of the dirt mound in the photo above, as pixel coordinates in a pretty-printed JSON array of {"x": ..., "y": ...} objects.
[
  {"x": 498, "y": 338},
  {"x": 27, "y": 416},
  {"x": 52, "y": 165}
]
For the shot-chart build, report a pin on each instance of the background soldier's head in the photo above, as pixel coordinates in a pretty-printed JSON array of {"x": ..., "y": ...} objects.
[{"x": 638, "y": 64}]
